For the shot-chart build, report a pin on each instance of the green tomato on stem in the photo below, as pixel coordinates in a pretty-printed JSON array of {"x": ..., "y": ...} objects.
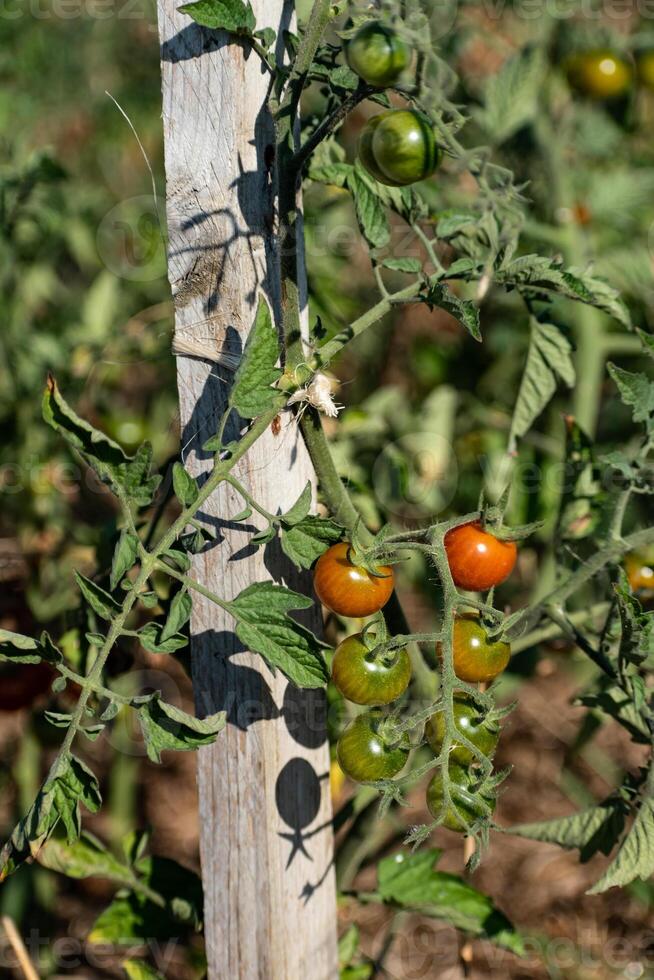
[
  {"x": 364, "y": 678},
  {"x": 368, "y": 752},
  {"x": 464, "y": 806},
  {"x": 398, "y": 147},
  {"x": 470, "y": 721},
  {"x": 377, "y": 54}
]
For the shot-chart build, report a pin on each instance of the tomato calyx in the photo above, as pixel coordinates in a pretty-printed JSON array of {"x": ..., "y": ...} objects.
[
  {"x": 462, "y": 799},
  {"x": 381, "y": 648},
  {"x": 391, "y": 732},
  {"x": 360, "y": 559}
]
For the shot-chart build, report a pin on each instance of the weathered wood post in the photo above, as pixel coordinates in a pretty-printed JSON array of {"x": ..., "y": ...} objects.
[{"x": 266, "y": 841}]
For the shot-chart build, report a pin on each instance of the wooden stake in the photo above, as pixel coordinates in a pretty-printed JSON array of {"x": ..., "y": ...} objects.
[{"x": 265, "y": 812}]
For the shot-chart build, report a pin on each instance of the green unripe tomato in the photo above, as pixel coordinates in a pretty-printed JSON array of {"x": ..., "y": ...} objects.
[
  {"x": 471, "y": 722},
  {"x": 364, "y": 754},
  {"x": 366, "y": 155},
  {"x": 404, "y": 147},
  {"x": 600, "y": 74},
  {"x": 398, "y": 147},
  {"x": 365, "y": 679},
  {"x": 645, "y": 67},
  {"x": 377, "y": 54},
  {"x": 464, "y": 806}
]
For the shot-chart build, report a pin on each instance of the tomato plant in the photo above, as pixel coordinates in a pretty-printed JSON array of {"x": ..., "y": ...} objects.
[
  {"x": 377, "y": 54},
  {"x": 466, "y": 807},
  {"x": 348, "y": 589},
  {"x": 398, "y": 147},
  {"x": 469, "y": 720},
  {"x": 465, "y": 316},
  {"x": 363, "y": 677},
  {"x": 477, "y": 559},
  {"x": 369, "y": 750}
]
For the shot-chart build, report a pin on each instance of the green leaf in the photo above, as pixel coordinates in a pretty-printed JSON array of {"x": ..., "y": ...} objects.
[
  {"x": 463, "y": 310},
  {"x": 511, "y": 96},
  {"x": 264, "y": 627},
  {"x": 636, "y": 390},
  {"x": 616, "y": 703},
  {"x": 267, "y": 36},
  {"x": 129, "y": 475},
  {"x": 635, "y": 857},
  {"x": 165, "y": 726},
  {"x": 410, "y": 881},
  {"x": 370, "y": 211},
  {"x": 179, "y": 614},
  {"x": 100, "y": 601},
  {"x": 83, "y": 858},
  {"x": 451, "y": 223},
  {"x": 125, "y": 554},
  {"x": 59, "y": 800},
  {"x": 140, "y": 970},
  {"x": 252, "y": 393},
  {"x": 300, "y": 508},
  {"x": 19, "y": 649},
  {"x": 596, "y": 829},
  {"x": 152, "y": 639},
  {"x": 348, "y": 945},
  {"x": 229, "y": 15},
  {"x": 549, "y": 358},
  {"x": 306, "y": 541},
  {"x": 536, "y": 274},
  {"x": 647, "y": 340},
  {"x": 133, "y": 918},
  {"x": 179, "y": 558},
  {"x": 403, "y": 265},
  {"x": 185, "y": 487}
]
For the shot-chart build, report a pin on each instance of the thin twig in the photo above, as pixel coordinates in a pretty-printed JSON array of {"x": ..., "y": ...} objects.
[{"x": 18, "y": 946}]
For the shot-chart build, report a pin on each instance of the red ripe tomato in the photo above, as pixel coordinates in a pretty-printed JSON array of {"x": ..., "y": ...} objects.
[
  {"x": 477, "y": 559},
  {"x": 22, "y": 684},
  {"x": 349, "y": 589},
  {"x": 475, "y": 659},
  {"x": 364, "y": 679}
]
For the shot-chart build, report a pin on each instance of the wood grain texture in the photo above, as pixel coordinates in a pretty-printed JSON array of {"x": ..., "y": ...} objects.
[{"x": 266, "y": 841}]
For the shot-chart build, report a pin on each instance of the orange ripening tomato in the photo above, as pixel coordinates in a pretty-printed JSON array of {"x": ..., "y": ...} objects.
[
  {"x": 475, "y": 659},
  {"x": 348, "y": 589},
  {"x": 477, "y": 559}
]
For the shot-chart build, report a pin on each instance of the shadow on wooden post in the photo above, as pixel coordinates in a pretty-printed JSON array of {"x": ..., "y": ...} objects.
[{"x": 265, "y": 812}]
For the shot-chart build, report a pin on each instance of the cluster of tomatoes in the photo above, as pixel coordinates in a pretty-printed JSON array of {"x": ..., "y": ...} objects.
[
  {"x": 605, "y": 75},
  {"x": 372, "y": 747},
  {"x": 396, "y": 147}
]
